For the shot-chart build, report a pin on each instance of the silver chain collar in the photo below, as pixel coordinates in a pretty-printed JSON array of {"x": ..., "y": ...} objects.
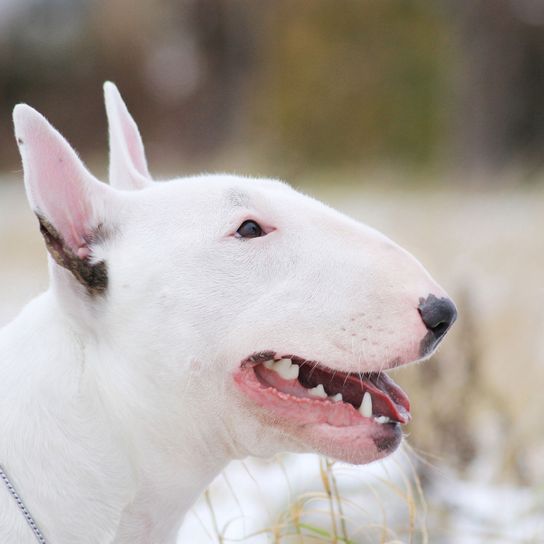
[{"x": 21, "y": 505}]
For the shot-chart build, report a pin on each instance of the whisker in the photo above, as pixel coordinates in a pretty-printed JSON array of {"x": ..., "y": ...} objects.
[{"x": 312, "y": 371}]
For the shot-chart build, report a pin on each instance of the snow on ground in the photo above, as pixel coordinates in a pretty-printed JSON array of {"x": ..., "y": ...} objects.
[
  {"x": 254, "y": 495},
  {"x": 477, "y": 513},
  {"x": 380, "y": 503}
]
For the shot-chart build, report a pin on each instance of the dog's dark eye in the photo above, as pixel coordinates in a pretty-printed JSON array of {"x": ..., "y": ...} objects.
[{"x": 250, "y": 229}]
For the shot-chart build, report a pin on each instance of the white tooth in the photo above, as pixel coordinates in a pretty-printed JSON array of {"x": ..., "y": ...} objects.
[
  {"x": 337, "y": 397},
  {"x": 382, "y": 419},
  {"x": 366, "y": 405},
  {"x": 318, "y": 391},
  {"x": 283, "y": 368},
  {"x": 269, "y": 364},
  {"x": 293, "y": 372}
]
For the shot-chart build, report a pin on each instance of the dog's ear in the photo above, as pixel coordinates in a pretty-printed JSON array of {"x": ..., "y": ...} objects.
[
  {"x": 71, "y": 204},
  {"x": 128, "y": 165}
]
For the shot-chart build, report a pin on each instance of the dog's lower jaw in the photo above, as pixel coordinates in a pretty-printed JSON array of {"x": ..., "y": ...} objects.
[{"x": 83, "y": 473}]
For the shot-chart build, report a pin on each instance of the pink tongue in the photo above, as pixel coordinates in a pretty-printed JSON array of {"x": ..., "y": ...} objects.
[{"x": 392, "y": 390}]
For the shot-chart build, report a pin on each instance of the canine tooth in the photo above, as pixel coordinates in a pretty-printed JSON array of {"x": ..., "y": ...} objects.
[
  {"x": 366, "y": 406},
  {"x": 382, "y": 419},
  {"x": 283, "y": 368},
  {"x": 337, "y": 397},
  {"x": 269, "y": 364},
  {"x": 318, "y": 391}
]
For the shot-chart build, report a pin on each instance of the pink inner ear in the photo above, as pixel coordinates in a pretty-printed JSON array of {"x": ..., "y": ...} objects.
[
  {"x": 128, "y": 165},
  {"x": 59, "y": 197},
  {"x": 59, "y": 187}
]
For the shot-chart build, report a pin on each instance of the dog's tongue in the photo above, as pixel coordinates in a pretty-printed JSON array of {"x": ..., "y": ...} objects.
[{"x": 387, "y": 397}]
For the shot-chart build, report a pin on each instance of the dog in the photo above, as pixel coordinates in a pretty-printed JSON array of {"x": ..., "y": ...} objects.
[{"x": 189, "y": 323}]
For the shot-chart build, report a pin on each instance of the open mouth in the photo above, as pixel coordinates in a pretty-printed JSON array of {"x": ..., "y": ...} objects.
[{"x": 310, "y": 392}]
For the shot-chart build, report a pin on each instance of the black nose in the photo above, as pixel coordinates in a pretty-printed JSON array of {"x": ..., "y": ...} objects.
[{"x": 438, "y": 314}]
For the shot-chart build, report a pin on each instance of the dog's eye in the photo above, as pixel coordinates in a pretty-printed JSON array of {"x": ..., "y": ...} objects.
[{"x": 250, "y": 229}]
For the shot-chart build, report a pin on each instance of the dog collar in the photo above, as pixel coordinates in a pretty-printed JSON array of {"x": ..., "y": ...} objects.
[{"x": 22, "y": 508}]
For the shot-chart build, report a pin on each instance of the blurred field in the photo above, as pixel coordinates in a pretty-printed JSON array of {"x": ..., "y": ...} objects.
[
  {"x": 373, "y": 97},
  {"x": 478, "y": 432}
]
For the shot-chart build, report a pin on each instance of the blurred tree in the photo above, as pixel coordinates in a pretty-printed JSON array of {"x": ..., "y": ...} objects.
[
  {"x": 312, "y": 84},
  {"x": 353, "y": 82},
  {"x": 181, "y": 65},
  {"x": 500, "y": 80},
  {"x": 292, "y": 84}
]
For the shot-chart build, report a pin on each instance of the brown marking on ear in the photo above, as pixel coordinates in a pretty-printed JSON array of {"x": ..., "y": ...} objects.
[{"x": 92, "y": 276}]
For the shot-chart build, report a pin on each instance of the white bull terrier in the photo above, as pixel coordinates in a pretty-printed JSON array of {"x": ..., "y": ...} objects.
[{"x": 189, "y": 323}]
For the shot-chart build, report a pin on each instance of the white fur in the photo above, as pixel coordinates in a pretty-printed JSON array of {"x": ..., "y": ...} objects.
[{"x": 117, "y": 410}]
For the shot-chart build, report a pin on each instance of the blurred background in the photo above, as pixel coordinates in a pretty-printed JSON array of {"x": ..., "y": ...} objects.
[{"x": 424, "y": 119}]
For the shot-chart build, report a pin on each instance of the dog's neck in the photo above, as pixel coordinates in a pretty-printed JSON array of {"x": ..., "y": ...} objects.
[{"x": 74, "y": 406}]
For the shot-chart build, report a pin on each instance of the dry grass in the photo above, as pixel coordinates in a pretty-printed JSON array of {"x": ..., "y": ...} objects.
[
  {"x": 328, "y": 502},
  {"x": 384, "y": 503}
]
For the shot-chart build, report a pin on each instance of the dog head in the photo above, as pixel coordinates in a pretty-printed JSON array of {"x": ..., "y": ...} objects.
[{"x": 239, "y": 305}]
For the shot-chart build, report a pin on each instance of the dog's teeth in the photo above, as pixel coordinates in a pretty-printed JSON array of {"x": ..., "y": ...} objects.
[
  {"x": 284, "y": 368},
  {"x": 337, "y": 397},
  {"x": 289, "y": 372},
  {"x": 382, "y": 419},
  {"x": 318, "y": 391},
  {"x": 366, "y": 406},
  {"x": 293, "y": 372}
]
